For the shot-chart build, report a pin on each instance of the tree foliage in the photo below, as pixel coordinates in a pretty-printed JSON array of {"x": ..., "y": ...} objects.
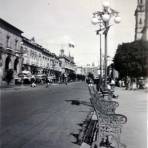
[
  {"x": 90, "y": 75},
  {"x": 131, "y": 59}
]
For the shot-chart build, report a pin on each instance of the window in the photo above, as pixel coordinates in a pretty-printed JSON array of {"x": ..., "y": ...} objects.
[
  {"x": 31, "y": 53},
  {"x": 16, "y": 44},
  {"x": 8, "y": 41},
  {"x": 140, "y": 21},
  {"x": 140, "y": 1}
]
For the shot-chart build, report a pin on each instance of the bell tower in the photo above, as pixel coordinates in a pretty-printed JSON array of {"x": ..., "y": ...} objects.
[
  {"x": 145, "y": 30},
  {"x": 140, "y": 19}
]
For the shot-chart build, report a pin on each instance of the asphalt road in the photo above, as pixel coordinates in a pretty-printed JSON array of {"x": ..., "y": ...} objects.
[
  {"x": 52, "y": 117},
  {"x": 42, "y": 117}
]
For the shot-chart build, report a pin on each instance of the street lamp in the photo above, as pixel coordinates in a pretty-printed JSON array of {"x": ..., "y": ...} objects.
[
  {"x": 104, "y": 17},
  {"x": 100, "y": 23}
]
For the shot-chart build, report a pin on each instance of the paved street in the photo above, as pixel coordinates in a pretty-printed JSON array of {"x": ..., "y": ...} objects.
[
  {"x": 46, "y": 118},
  {"x": 41, "y": 117}
]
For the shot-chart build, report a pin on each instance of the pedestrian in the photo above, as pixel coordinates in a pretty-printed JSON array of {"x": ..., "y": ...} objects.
[
  {"x": 47, "y": 82},
  {"x": 134, "y": 86},
  {"x": 88, "y": 80},
  {"x": 127, "y": 83},
  {"x": 9, "y": 76},
  {"x": 120, "y": 83},
  {"x": 108, "y": 86},
  {"x": 33, "y": 82},
  {"x": 112, "y": 84},
  {"x": 65, "y": 78}
]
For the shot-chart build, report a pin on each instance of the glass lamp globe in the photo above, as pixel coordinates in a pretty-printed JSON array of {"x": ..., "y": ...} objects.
[
  {"x": 106, "y": 17},
  {"x": 117, "y": 19},
  {"x": 106, "y": 4},
  {"x": 94, "y": 20}
]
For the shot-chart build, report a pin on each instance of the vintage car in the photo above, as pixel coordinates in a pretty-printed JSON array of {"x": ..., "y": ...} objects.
[
  {"x": 40, "y": 78},
  {"x": 23, "y": 78}
]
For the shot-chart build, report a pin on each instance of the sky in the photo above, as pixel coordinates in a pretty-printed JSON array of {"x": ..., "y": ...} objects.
[{"x": 54, "y": 23}]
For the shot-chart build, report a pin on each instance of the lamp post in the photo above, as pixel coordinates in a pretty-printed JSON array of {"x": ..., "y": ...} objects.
[
  {"x": 100, "y": 55},
  {"x": 94, "y": 22},
  {"x": 104, "y": 18}
]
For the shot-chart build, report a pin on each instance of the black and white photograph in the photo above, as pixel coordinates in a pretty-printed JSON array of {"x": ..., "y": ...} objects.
[{"x": 73, "y": 73}]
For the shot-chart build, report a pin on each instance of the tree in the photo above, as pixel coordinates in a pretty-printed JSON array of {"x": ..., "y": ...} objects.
[
  {"x": 90, "y": 75},
  {"x": 131, "y": 59}
]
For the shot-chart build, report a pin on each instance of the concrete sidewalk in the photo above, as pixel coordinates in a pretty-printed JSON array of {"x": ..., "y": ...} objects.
[{"x": 133, "y": 104}]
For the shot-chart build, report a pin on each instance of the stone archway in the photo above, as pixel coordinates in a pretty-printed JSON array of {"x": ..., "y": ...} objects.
[
  {"x": 7, "y": 63},
  {"x": 16, "y": 64}
]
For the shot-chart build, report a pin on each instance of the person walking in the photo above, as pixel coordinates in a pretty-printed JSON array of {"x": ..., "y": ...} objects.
[
  {"x": 47, "y": 82},
  {"x": 127, "y": 83},
  {"x": 65, "y": 78},
  {"x": 33, "y": 82},
  {"x": 134, "y": 86},
  {"x": 9, "y": 76},
  {"x": 112, "y": 84}
]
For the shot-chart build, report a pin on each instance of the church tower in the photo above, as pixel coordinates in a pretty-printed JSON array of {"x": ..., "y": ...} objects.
[
  {"x": 145, "y": 30},
  {"x": 140, "y": 19}
]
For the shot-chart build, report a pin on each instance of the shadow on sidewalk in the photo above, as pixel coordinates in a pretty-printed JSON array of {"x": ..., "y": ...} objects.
[
  {"x": 80, "y": 135},
  {"x": 78, "y": 102}
]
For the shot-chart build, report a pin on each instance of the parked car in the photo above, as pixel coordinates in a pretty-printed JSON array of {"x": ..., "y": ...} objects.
[
  {"x": 50, "y": 78},
  {"x": 23, "y": 77},
  {"x": 41, "y": 78}
]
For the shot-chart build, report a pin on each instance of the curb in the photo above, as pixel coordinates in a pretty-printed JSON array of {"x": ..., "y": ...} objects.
[{"x": 85, "y": 144}]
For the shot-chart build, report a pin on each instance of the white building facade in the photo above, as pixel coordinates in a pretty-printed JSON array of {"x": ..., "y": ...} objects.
[{"x": 67, "y": 63}]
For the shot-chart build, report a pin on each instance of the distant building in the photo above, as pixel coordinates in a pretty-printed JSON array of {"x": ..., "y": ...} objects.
[
  {"x": 10, "y": 48},
  {"x": 36, "y": 58},
  {"x": 67, "y": 63},
  {"x": 39, "y": 60},
  {"x": 141, "y": 16},
  {"x": 80, "y": 70},
  {"x": 91, "y": 69},
  {"x": 55, "y": 67},
  {"x": 20, "y": 53}
]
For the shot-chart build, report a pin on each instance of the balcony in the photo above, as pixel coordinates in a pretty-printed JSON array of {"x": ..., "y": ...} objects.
[{"x": 10, "y": 50}]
